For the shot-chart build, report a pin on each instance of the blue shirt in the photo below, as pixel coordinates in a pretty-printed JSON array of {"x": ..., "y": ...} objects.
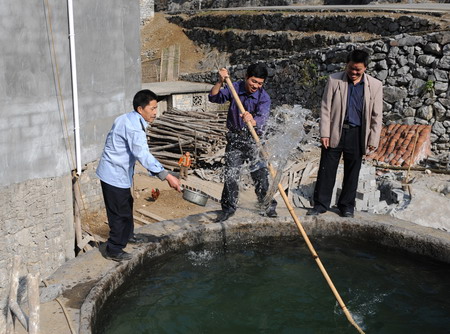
[
  {"x": 355, "y": 103},
  {"x": 257, "y": 104},
  {"x": 127, "y": 142}
]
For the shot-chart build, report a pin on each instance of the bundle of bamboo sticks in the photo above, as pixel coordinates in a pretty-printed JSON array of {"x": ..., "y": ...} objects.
[{"x": 177, "y": 131}]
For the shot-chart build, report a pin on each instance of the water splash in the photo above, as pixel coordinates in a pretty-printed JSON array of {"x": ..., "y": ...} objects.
[
  {"x": 360, "y": 307},
  {"x": 285, "y": 132},
  {"x": 201, "y": 258}
]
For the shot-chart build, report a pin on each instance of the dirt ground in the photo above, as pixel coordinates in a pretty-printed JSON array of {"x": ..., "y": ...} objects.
[
  {"x": 169, "y": 205},
  {"x": 157, "y": 34}
]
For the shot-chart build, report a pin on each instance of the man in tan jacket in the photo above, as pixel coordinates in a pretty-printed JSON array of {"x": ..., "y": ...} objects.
[{"x": 350, "y": 124}]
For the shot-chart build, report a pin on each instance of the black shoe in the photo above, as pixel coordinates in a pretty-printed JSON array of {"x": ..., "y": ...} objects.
[
  {"x": 271, "y": 213},
  {"x": 122, "y": 256},
  {"x": 347, "y": 214},
  {"x": 314, "y": 212},
  {"x": 136, "y": 240},
  {"x": 223, "y": 215}
]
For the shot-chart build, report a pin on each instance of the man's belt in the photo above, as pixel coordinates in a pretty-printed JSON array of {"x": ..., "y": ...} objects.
[
  {"x": 349, "y": 126},
  {"x": 243, "y": 131}
]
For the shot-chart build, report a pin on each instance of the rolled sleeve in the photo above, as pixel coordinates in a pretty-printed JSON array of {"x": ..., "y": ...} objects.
[{"x": 224, "y": 95}]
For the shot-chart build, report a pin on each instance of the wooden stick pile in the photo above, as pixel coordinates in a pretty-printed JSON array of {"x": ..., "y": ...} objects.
[
  {"x": 298, "y": 181},
  {"x": 177, "y": 131}
]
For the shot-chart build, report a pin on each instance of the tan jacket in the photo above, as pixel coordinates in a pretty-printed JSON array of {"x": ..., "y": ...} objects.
[{"x": 334, "y": 106}]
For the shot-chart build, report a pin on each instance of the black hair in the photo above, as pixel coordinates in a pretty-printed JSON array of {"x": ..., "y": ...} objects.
[
  {"x": 358, "y": 56},
  {"x": 258, "y": 71},
  {"x": 143, "y": 98}
]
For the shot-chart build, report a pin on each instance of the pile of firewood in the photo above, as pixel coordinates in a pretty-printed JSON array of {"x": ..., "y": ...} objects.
[
  {"x": 298, "y": 180},
  {"x": 176, "y": 131}
]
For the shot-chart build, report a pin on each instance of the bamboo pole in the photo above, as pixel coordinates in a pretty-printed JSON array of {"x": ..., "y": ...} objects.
[{"x": 291, "y": 211}]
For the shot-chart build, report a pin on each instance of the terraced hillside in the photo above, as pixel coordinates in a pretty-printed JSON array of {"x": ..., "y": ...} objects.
[
  {"x": 410, "y": 54},
  {"x": 269, "y": 35}
]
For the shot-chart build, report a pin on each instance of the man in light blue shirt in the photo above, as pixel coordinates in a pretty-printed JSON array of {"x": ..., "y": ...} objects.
[{"x": 127, "y": 142}]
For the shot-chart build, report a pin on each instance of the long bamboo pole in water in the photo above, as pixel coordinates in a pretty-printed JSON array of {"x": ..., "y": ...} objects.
[{"x": 291, "y": 211}]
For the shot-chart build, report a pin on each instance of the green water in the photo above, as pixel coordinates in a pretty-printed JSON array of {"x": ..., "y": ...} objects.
[{"x": 277, "y": 288}]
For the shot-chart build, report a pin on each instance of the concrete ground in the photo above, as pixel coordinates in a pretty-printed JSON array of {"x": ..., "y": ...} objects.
[{"x": 77, "y": 277}]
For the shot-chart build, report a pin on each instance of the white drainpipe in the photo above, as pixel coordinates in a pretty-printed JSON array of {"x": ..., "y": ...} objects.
[{"x": 73, "y": 62}]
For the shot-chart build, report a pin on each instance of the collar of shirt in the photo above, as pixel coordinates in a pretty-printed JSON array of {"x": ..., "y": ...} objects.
[
  {"x": 143, "y": 123},
  {"x": 350, "y": 82},
  {"x": 241, "y": 91}
]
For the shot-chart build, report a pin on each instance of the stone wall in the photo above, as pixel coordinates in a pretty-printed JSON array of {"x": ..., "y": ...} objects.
[
  {"x": 177, "y": 5},
  {"x": 383, "y": 25},
  {"x": 91, "y": 192},
  {"x": 183, "y": 5},
  {"x": 36, "y": 119},
  {"x": 413, "y": 69},
  {"x": 37, "y": 224},
  {"x": 282, "y": 34}
]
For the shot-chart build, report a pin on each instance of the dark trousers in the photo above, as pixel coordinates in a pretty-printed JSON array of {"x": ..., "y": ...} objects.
[
  {"x": 350, "y": 147},
  {"x": 119, "y": 208},
  {"x": 241, "y": 148}
]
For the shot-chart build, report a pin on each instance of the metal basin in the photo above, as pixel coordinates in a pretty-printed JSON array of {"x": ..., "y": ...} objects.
[{"x": 195, "y": 197}]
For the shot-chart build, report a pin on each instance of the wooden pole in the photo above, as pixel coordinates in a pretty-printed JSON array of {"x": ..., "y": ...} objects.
[
  {"x": 411, "y": 157},
  {"x": 77, "y": 209},
  {"x": 417, "y": 169},
  {"x": 195, "y": 148},
  {"x": 33, "y": 303},
  {"x": 291, "y": 211},
  {"x": 13, "y": 306},
  {"x": 179, "y": 143},
  {"x": 406, "y": 180}
]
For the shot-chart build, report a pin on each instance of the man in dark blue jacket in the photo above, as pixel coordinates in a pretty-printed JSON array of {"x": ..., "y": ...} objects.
[{"x": 240, "y": 144}]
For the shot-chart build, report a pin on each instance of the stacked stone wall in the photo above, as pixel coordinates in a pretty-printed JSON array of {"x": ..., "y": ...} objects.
[
  {"x": 36, "y": 224},
  {"x": 237, "y": 42},
  {"x": 176, "y": 5},
  {"x": 414, "y": 71},
  {"x": 91, "y": 191},
  {"x": 383, "y": 25}
]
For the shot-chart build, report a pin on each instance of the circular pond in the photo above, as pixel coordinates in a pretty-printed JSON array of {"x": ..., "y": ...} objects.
[{"x": 274, "y": 286}]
